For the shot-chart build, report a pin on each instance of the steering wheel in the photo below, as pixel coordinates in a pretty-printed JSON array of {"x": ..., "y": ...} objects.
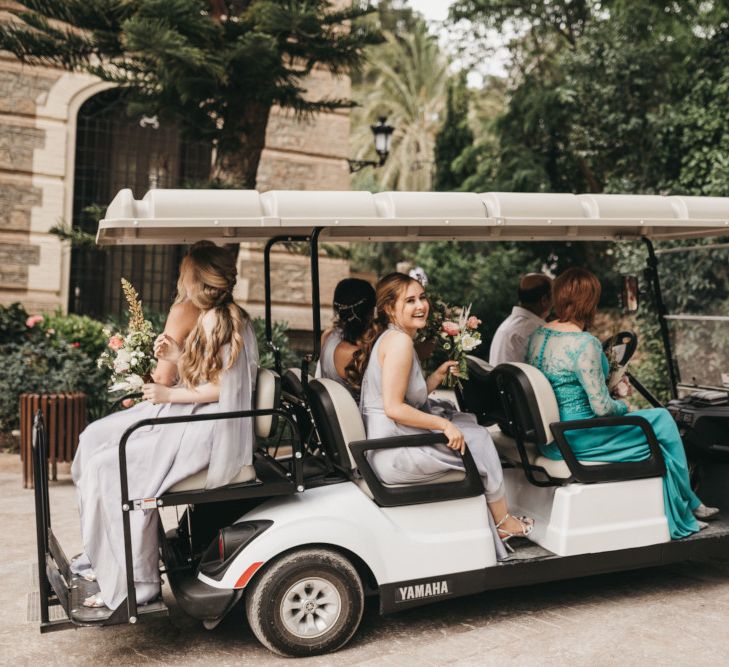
[{"x": 627, "y": 338}]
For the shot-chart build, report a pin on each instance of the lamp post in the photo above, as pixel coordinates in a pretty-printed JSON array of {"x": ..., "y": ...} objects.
[{"x": 382, "y": 133}]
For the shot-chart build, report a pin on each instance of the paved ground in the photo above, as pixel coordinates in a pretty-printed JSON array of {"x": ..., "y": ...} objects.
[{"x": 676, "y": 615}]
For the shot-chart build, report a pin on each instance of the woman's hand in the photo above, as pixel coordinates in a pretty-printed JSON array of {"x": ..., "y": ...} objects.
[
  {"x": 156, "y": 393},
  {"x": 439, "y": 374},
  {"x": 455, "y": 437},
  {"x": 623, "y": 389},
  {"x": 167, "y": 348}
]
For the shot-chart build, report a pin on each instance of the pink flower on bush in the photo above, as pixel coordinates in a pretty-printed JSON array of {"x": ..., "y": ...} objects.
[
  {"x": 451, "y": 328},
  {"x": 116, "y": 343},
  {"x": 75, "y": 344},
  {"x": 473, "y": 322},
  {"x": 33, "y": 320}
]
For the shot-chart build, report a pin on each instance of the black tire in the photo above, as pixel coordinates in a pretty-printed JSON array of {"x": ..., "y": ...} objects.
[{"x": 287, "y": 575}]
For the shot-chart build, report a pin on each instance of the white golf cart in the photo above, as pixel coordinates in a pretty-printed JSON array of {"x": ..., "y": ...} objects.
[{"x": 306, "y": 532}]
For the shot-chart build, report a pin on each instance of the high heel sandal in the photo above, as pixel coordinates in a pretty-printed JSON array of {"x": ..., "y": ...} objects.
[
  {"x": 526, "y": 529},
  {"x": 704, "y": 513}
]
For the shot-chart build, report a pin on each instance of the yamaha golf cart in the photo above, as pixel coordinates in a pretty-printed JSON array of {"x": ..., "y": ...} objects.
[{"x": 308, "y": 530}]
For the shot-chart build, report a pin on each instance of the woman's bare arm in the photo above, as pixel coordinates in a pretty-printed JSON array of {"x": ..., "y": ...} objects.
[
  {"x": 159, "y": 393},
  {"x": 180, "y": 322},
  {"x": 396, "y": 359}
]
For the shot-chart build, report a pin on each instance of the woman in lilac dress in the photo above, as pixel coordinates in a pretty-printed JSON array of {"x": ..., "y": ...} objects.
[{"x": 217, "y": 366}]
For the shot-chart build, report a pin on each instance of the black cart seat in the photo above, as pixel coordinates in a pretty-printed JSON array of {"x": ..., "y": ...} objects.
[{"x": 530, "y": 418}]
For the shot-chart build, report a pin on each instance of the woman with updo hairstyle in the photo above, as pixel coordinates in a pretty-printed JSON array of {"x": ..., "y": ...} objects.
[
  {"x": 212, "y": 369},
  {"x": 354, "y": 307},
  {"x": 394, "y": 402},
  {"x": 573, "y": 361}
]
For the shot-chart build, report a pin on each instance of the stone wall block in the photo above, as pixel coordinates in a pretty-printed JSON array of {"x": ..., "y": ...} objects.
[
  {"x": 321, "y": 84},
  {"x": 49, "y": 159},
  {"x": 50, "y": 210},
  {"x": 19, "y": 139},
  {"x": 323, "y": 134},
  {"x": 24, "y": 87},
  {"x": 18, "y": 197},
  {"x": 45, "y": 275},
  {"x": 279, "y": 170}
]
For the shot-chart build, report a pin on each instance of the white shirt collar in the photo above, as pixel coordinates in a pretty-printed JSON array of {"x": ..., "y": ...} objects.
[{"x": 518, "y": 311}]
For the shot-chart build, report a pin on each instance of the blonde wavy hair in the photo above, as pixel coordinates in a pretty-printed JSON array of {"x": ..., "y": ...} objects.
[
  {"x": 207, "y": 278},
  {"x": 387, "y": 292}
]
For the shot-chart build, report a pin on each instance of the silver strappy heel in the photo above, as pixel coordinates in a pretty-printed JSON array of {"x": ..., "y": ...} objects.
[{"x": 506, "y": 535}]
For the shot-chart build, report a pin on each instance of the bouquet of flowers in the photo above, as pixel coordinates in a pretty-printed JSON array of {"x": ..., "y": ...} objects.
[
  {"x": 457, "y": 338},
  {"x": 129, "y": 356}
]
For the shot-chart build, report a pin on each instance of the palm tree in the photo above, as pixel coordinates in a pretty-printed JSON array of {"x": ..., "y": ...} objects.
[{"x": 405, "y": 79}]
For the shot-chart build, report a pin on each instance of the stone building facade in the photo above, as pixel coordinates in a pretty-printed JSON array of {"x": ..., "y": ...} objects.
[{"x": 38, "y": 113}]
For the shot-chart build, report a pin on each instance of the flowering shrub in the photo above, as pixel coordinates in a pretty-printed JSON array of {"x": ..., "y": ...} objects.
[
  {"x": 48, "y": 354},
  {"x": 79, "y": 331}
]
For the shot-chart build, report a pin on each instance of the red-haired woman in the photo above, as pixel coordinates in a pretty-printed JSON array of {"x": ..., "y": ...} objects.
[
  {"x": 394, "y": 401},
  {"x": 574, "y": 363}
]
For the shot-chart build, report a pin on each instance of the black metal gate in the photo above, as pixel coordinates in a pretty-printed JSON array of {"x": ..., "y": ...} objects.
[{"x": 115, "y": 151}]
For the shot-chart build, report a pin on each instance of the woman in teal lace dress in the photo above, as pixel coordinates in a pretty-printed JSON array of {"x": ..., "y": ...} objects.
[{"x": 573, "y": 361}]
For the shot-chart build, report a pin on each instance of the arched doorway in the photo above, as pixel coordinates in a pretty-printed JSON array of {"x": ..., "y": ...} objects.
[{"x": 115, "y": 151}]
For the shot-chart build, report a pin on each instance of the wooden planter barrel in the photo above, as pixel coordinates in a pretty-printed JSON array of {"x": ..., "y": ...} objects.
[{"x": 64, "y": 416}]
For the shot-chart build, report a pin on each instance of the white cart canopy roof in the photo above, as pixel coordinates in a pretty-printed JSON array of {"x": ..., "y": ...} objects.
[{"x": 185, "y": 216}]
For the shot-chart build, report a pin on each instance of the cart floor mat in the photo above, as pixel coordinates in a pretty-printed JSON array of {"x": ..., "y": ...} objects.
[{"x": 525, "y": 549}]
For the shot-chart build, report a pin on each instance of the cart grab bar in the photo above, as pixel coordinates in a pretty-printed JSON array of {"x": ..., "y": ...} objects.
[
  {"x": 653, "y": 466},
  {"x": 412, "y": 494}
]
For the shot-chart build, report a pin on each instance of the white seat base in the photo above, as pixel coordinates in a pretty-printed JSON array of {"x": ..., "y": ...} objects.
[
  {"x": 197, "y": 481},
  {"x": 590, "y": 518},
  {"x": 506, "y": 446}
]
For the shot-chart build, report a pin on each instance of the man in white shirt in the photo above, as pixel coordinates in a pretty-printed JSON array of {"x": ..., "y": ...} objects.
[{"x": 535, "y": 301}]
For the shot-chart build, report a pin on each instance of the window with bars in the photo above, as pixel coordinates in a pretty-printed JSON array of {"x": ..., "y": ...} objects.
[{"x": 115, "y": 151}]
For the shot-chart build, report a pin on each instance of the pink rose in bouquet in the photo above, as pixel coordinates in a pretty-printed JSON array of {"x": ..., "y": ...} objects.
[
  {"x": 456, "y": 340},
  {"x": 116, "y": 342},
  {"x": 451, "y": 328}
]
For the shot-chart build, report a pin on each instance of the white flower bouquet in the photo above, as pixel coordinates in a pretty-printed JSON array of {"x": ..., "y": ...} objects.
[
  {"x": 129, "y": 355},
  {"x": 458, "y": 337}
]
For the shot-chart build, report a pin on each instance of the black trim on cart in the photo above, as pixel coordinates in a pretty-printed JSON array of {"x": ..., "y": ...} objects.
[
  {"x": 267, "y": 292},
  {"x": 413, "y": 494},
  {"x": 524, "y": 424},
  {"x": 651, "y": 273},
  {"x": 653, "y": 466},
  {"x": 518, "y": 572}
]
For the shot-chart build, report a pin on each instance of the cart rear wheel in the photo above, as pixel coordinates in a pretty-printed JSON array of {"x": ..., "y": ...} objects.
[{"x": 307, "y": 602}]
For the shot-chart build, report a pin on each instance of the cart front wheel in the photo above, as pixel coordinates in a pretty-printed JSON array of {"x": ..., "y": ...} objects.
[{"x": 307, "y": 602}]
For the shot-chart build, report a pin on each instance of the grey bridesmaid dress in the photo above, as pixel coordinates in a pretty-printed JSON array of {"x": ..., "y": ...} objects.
[{"x": 428, "y": 463}]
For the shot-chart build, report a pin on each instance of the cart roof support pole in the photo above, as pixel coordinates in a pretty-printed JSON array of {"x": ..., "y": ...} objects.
[
  {"x": 315, "y": 300},
  {"x": 652, "y": 266},
  {"x": 267, "y": 292}
]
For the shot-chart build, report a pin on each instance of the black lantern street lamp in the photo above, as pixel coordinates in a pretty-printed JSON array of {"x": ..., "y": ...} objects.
[{"x": 383, "y": 137}]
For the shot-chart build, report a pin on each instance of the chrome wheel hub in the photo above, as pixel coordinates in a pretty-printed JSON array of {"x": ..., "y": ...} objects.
[{"x": 311, "y": 607}]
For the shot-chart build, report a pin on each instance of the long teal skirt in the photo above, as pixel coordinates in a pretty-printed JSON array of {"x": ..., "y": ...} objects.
[{"x": 627, "y": 443}]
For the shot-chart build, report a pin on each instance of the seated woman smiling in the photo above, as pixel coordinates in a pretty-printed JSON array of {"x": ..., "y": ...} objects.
[
  {"x": 573, "y": 361},
  {"x": 395, "y": 402}
]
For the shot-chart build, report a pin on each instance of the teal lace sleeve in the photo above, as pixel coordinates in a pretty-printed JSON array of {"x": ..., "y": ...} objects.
[{"x": 589, "y": 371}]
